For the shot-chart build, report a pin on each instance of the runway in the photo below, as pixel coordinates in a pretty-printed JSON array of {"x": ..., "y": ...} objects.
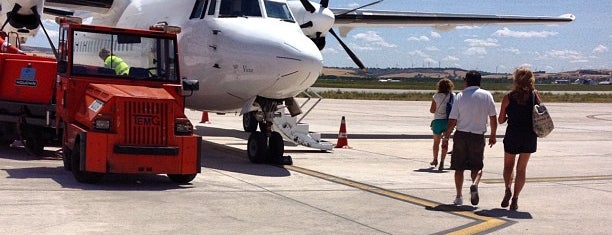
[{"x": 381, "y": 185}]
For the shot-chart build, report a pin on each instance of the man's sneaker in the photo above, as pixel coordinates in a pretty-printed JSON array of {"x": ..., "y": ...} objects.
[
  {"x": 474, "y": 194},
  {"x": 458, "y": 201}
]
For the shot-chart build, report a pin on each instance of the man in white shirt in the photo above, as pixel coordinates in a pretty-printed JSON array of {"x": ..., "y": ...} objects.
[{"x": 471, "y": 111}]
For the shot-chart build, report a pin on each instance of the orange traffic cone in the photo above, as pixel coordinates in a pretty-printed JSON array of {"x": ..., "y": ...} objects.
[
  {"x": 342, "y": 137},
  {"x": 204, "y": 117}
]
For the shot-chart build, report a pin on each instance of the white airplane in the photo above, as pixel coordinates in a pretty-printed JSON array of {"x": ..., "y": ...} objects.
[{"x": 248, "y": 55}]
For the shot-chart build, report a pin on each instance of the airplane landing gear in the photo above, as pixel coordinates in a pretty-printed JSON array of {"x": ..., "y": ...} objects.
[
  {"x": 264, "y": 146},
  {"x": 264, "y": 149}
]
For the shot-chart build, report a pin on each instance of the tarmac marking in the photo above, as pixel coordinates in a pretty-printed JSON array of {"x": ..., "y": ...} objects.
[
  {"x": 554, "y": 179},
  {"x": 483, "y": 224}
]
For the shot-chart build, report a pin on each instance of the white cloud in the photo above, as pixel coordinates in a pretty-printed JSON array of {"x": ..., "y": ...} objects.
[
  {"x": 511, "y": 50},
  {"x": 357, "y": 47},
  {"x": 505, "y": 32},
  {"x": 565, "y": 54},
  {"x": 372, "y": 38},
  {"x": 468, "y": 27},
  {"x": 600, "y": 49},
  {"x": 476, "y": 51},
  {"x": 329, "y": 50},
  {"x": 450, "y": 58},
  {"x": 430, "y": 61},
  {"x": 432, "y": 48},
  {"x": 489, "y": 42},
  {"x": 435, "y": 35},
  {"x": 419, "y": 39},
  {"x": 419, "y": 53}
]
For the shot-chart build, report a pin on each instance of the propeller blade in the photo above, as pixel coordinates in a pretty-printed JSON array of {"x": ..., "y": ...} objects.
[
  {"x": 307, "y": 25},
  {"x": 348, "y": 51},
  {"x": 308, "y": 6},
  {"x": 366, "y": 5},
  {"x": 324, "y": 3}
]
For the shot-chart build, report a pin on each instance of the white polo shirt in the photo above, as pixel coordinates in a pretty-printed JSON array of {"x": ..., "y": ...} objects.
[{"x": 472, "y": 110}]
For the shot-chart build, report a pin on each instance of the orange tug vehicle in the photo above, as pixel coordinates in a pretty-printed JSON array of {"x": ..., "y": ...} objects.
[{"x": 114, "y": 96}]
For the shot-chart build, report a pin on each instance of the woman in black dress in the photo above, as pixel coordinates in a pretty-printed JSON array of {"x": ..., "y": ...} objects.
[{"x": 517, "y": 108}]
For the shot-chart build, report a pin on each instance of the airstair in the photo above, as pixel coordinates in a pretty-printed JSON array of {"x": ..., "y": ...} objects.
[{"x": 293, "y": 130}]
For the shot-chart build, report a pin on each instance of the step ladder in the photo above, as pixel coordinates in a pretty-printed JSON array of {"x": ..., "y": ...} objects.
[{"x": 293, "y": 130}]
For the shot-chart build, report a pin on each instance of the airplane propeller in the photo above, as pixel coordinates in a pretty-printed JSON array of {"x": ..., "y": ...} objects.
[{"x": 319, "y": 37}]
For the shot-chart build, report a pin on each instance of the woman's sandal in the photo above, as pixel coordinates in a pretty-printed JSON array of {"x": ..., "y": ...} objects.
[
  {"x": 514, "y": 204},
  {"x": 506, "y": 201}
]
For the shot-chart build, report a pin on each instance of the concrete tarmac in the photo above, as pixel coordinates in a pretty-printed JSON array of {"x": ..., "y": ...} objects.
[{"x": 383, "y": 184}]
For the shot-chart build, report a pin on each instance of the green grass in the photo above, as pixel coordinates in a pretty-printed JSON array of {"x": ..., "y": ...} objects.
[{"x": 499, "y": 88}]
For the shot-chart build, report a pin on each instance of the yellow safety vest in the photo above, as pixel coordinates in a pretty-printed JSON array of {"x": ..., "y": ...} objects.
[{"x": 116, "y": 63}]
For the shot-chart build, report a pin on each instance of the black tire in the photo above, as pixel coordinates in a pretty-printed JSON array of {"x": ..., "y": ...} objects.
[
  {"x": 181, "y": 179},
  {"x": 257, "y": 149},
  {"x": 277, "y": 148},
  {"x": 81, "y": 175},
  {"x": 67, "y": 158},
  {"x": 249, "y": 122},
  {"x": 35, "y": 145}
]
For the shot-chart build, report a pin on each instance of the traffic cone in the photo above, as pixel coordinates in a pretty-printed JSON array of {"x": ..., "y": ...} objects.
[
  {"x": 342, "y": 137},
  {"x": 204, "y": 117}
]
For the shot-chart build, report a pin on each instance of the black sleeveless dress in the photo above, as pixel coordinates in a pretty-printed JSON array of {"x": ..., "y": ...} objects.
[{"x": 519, "y": 137}]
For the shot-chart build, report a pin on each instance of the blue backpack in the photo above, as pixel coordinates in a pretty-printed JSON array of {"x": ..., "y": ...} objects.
[{"x": 449, "y": 104}]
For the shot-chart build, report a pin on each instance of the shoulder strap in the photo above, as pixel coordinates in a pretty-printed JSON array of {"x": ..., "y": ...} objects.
[{"x": 438, "y": 108}]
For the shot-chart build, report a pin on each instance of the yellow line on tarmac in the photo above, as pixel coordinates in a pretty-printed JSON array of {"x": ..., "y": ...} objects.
[
  {"x": 553, "y": 179},
  {"x": 486, "y": 223}
]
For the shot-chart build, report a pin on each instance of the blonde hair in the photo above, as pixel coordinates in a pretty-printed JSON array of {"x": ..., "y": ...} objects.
[
  {"x": 523, "y": 80},
  {"x": 445, "y": 85}
]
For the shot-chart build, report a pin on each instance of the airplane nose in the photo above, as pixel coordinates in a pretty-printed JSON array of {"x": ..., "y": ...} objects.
[{"x": 299, "y": 63}]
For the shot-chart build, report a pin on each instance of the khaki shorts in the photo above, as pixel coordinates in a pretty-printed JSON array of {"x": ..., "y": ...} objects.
[{"x": 468, "y": 151}]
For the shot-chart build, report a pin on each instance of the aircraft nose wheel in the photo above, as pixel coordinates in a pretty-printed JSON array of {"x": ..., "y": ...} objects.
[{"x": 260, "y": 149}]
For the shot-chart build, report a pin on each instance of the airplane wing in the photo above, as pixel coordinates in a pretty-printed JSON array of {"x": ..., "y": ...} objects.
[
  {"x": 100, "y": 6},
  {"x": 347, "y": 19}
]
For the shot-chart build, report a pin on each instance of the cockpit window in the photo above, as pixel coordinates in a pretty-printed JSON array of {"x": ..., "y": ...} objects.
[
  {"x": 239, "y": 8},
  {"x": 278, "y": 10}
]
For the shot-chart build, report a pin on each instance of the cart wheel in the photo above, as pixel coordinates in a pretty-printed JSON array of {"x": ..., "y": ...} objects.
[
  {"x": 67, "y": 158},
  {"x": 81, "y": 175},
  {"x": 35, "y": 145},
  {"x": 181, "y": 179}
]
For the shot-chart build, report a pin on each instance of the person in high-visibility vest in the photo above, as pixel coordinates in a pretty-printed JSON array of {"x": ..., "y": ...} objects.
[{"x": 114, "y": 62}]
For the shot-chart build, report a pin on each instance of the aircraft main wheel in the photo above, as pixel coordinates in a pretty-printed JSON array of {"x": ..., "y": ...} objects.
[
  {"x": 257, "y": 148},
  {"x": 66, "y": 157},
  {"x": 277, "y": 148},
  {"x": 181, "y": 179},
  {"x": 81, "y": 175},
  {"x": 249, "y": 122}
]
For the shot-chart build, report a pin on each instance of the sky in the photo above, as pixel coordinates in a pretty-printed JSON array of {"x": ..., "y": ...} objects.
[{"x": 585, "y": 43}]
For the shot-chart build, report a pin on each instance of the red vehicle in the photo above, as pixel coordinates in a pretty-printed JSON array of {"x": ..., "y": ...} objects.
[
  {"x": 27, "y": 101},
  {"x": 114, "y": 96},
  {"x": 128, "y": 121},
  {"x": 118, "y": 120}
]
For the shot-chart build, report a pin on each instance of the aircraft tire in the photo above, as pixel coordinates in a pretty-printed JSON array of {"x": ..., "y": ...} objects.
[
  {"x": 277, "y": 148},
  {"x": 249, "y": 122},
  {"x": 257, "y": 149}
]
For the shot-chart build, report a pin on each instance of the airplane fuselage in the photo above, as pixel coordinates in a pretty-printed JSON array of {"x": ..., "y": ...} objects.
[{"x": 235, "y": 58}]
